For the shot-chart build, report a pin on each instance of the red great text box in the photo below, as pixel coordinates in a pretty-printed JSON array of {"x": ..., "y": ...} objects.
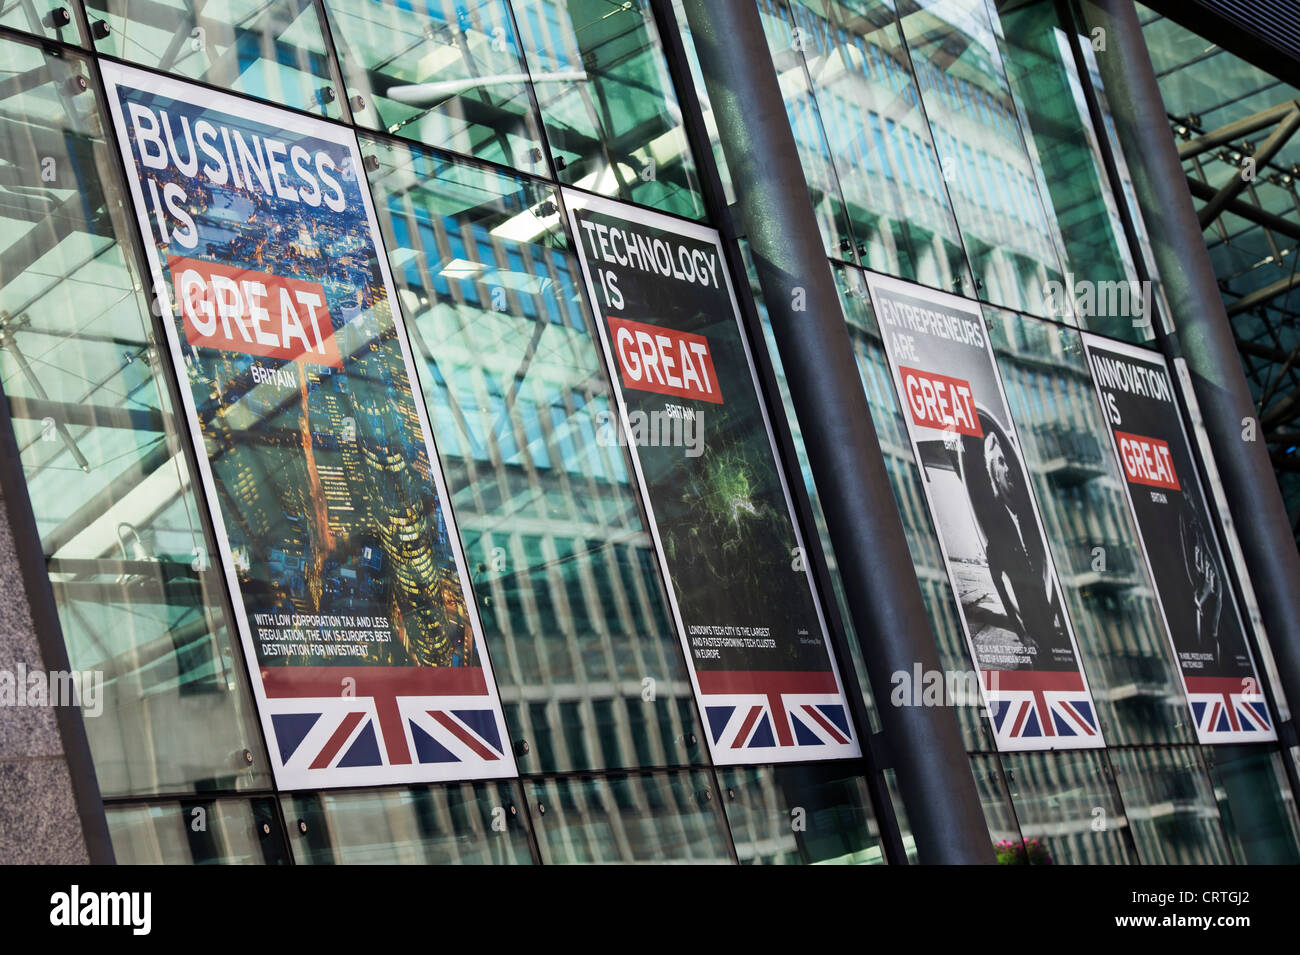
[
  {"x": 1147, "y": 461},
  {"x": 668, "y": 362},
  {"x": 253, "y": 313},
  {"x": 940, "y": 402}
]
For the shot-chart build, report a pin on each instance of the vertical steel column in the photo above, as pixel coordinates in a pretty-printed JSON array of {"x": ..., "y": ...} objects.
[
  {"x": 715, "y": 202},
  {"x": 1201, "y": 329},
  {"x": 884, "y": 597}
]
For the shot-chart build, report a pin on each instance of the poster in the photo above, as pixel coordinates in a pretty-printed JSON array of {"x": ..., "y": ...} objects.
[
  {"x": 343, "y": 561},
  {"x": 990, "y": 530},
  {"x": 1173, "y": 520},
  {"x": 720, "y": 512}
]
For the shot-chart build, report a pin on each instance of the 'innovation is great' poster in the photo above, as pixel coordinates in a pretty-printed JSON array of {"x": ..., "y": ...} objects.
[{"x": 1194, "y": 593}]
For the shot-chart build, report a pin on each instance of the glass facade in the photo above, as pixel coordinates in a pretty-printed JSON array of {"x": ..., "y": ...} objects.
[{"x": 962, "y": 146}]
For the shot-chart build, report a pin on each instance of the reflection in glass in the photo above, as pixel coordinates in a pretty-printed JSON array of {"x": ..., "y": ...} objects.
[
  {"x": 611, "y": 115},
  {"x": 462, "y": 823},
  {"x": 660, "y": 817},
  {"x": 702, "y": 95},
  {"x": 788, "y": 42},
  {"x": 1170, "y": 806},
  {"x": 140, "y": 599},
  {"x": 588, "y": 665},
  {"x": 900, "y": 814},
  {"x": 1066, "y": 800},
  {"x": 1259, "y": 809},
  {"x": 271, "y": 49},
  {"x": 991, "y": 172},
  {"x": 894, "y": 189},
  {"x": 198, "y": 832},
  {"x": 1042, "y": 73},
  {"x": 1140, "y": 333},
  {"x": 800, "y": 815},
  {"x": 999, "y": 814},
  {"x": 452, "y": 77}
]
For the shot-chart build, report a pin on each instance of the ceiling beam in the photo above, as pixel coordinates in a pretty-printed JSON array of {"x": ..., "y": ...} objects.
[
  {"x": 1263, "y": 295},
  {"x": 1261, "y": 217},
  {"x": 1236, "y": 129},
  {"x": 1262, "y": 156}
]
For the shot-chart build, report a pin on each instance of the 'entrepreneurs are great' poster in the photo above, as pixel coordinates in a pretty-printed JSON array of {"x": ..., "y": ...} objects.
[
  {"x": 343, "y": 560},
  {"x": 985, "y": 513},
  {"x": 1194, "y": 594},
  {"x": 719, "y": 509}
]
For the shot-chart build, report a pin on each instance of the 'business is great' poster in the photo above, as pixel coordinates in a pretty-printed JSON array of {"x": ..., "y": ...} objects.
[
  {"x": 1192, "y": 589},
  {"x": 343, "y": 561},
  {"x": 719, "y": 509},
  {"x": 990, "y": 531}
]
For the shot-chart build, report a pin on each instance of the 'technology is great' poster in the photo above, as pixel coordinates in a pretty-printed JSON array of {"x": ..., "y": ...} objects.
[
  {"x": 343, "y": 560},
  {"x": 990, "y": 530},
  {"x": 719, "y": 509},
  {"x": 1194, "y": 594}
]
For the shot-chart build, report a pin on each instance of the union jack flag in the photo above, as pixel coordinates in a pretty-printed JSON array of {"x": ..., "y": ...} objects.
[
  {"x": 1228, "y": 709},
  {"x": 775, "y": 716},
  {"x": 1029, "y": 707},
  {"x": 350, "y": 726}
]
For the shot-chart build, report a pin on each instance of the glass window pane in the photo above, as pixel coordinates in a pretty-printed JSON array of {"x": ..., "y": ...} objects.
[
  {"x": 894, "y": 188},
  {"x": 993, "y": 175},
  {"x": 271, "y": 49},
  {"x": 999, "y": 814},
  {"x": 1069, "y": 811},
  {"x": 140, "y": 600},
  {"x": 790, "y": 40},
  {"x": 800, "y": 815},
  {"x": 609, "y": 108},
  {"x": 1170, "y": 805},
  {"x": 466, "y": 823},
  {"x": 1081, "y": 493},
  {"x": 1258, "y": 805},
  {"x": 1042, "y": 73},
  {"x": 47, "y": 18},
  {"x": 900, "y": 813},
  {"x": 453, "y": 78},
  {"x": 572, "y": 604},
  {"x": 660, "y": 817},
  {"x": 710, "y": 121},
  {"x": 198, "y": 832},
  {"x": 1128, "y": 195}
]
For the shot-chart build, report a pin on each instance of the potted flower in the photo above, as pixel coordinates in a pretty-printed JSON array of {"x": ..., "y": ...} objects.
[{"x": 1022, "y": 852}]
